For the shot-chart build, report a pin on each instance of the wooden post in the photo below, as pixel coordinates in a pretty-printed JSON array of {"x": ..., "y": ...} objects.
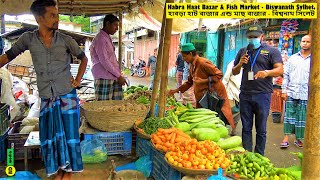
[
  {"x": 157, "y": 75},
  {"x": 311, "y": 149},
  {"x": 165, "y": 64},
  {"x": 120, "y": 41},
  {"x": 3, "y": 22}
]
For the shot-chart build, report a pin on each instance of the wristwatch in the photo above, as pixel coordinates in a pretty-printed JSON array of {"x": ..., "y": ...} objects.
[{"x": 267, "y": 71}]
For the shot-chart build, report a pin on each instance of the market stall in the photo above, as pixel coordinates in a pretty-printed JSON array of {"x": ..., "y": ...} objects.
[{"x": 236, "y": 165}]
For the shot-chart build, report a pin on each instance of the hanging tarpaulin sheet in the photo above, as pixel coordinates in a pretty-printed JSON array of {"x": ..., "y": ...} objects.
[
  {"x": 15, "y": 7},
  {"x": 150, "y": 16}
]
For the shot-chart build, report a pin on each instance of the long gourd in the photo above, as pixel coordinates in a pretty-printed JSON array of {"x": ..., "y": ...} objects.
[{"x": 230, "y": 142}]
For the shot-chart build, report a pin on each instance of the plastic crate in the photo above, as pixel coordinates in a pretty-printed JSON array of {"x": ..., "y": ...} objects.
[
  {"x": 19, "y": 139},
  {"x": 3, "y": 146},
  {"x": 134, "y": 142},
  {"x": 161, "y": 169},
  {"x": 144, "y": 147},
  {"x": 116, "y": 142},
  {"x": 4, "y": 118},
  {"x": 276, "y": 101}
]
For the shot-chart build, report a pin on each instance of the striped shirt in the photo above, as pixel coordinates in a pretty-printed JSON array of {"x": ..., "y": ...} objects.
[{"x": 296, "y": 77}]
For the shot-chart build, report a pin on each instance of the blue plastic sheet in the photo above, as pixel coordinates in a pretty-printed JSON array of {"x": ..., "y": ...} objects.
[
  {"x": 25, "y": 175},
  {"x": 130, "y": 166},
  {"x": 218, "y": 177},
  {"x": 144, "y": 165}
]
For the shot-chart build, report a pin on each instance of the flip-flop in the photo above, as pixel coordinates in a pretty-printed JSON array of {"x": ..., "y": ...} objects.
[
  {"x": 284, "y": 145},
  {"x": 299, "y": 144}
]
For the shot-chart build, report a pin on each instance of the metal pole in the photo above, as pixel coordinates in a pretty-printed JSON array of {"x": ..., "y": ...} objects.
[{"x": 311, "y": 149}]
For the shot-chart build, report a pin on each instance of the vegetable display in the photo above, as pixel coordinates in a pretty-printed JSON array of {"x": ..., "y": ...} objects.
[
  {"x": 255, "y": 166},
  {"x": 152, "y": 124},
  {"x": 191, "y": 154},
  {"x": 230, "y": 142},
  {"x": 165, "y": 139}
]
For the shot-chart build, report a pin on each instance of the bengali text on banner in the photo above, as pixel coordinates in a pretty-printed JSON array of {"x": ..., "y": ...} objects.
[{"x": 244, "y": 10}]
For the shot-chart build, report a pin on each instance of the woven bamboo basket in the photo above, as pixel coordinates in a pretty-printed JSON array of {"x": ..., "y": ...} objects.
[
  {"x": 113, "y": 115},
  {"x": 188, "y": 171},
  {"x": 141, "y": 134},
  {"x": 160, "y": 150}
]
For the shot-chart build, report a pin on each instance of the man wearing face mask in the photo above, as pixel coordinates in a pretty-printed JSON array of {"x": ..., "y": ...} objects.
[{"x": 260, "y": 62}]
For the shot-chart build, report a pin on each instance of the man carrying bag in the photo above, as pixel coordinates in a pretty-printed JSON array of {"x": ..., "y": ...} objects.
[
  {"x": 200, "y": 71},
  {"x": 211, "y": 100}
]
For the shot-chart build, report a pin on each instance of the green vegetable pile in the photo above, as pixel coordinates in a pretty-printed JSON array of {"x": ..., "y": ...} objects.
[
  {"x": 152, "y": 124},
  {"x": 134, "y": 89},
  {"x": 143, "y": 99},
  {"x": 255, "y": 166}
]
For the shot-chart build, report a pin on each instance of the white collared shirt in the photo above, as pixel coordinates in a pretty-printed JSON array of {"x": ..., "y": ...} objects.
[{"x": 296, "y": 76}]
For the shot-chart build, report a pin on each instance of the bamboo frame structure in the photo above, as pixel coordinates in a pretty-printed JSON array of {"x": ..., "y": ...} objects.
[
  {"x": 310, "y": 165},
  {"x": 157, "y": 75},
  {"x": 165, "y": 63},
  {"x": 120, "y": 41},
  {"x": 311, "y": 149}
]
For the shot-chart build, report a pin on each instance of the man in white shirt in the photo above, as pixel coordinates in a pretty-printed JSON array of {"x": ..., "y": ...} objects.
[
  {"x": 295, "y": 92},
  {"x": 232, "y": 83}
]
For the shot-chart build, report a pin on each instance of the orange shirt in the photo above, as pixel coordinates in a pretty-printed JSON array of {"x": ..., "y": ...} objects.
[{"x": 199, "y": 71}]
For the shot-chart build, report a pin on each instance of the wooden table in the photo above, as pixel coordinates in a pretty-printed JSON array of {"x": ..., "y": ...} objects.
[{"x": 33, "y": 142}]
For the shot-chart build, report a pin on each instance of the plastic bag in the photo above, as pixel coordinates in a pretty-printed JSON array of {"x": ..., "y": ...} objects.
[
  {"x": 130, "y": 166},
  {"x": 27, "y": 129},
  {"x": 35, "y": 101},
  {"x": 144, "y": 165},
  {"x": 218, "y": 177},
  {"x": 93, "y": 151},
  {"x": 30, "y": 121},
  {"x": 6, "y": 92},
  {"x": 25, "y": 175},
  {"x": 19, "y": 89}
]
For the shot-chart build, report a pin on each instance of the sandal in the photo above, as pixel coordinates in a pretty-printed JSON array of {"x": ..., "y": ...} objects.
[
  {"x": 284, "y": 145},
  {"x": 298, "y": 143}
]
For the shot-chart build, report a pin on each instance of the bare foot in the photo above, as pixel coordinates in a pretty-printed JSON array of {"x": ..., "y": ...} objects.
[
  {"x": 67, "y": 176},
  {"x": 59, "y": 175}
]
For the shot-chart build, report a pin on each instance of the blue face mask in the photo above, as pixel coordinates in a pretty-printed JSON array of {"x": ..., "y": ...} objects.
[{"x": 255, "y": 42}]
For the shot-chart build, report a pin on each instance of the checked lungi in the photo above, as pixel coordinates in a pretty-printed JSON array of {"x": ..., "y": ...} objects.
[
  {"x": 107, "y": 90},
  {"x": 295, "y": 117},
  {"x": 59, "y": 133}
]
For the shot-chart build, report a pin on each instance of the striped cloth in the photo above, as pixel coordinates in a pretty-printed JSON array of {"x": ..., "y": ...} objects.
[
  {"x": 295, "y": 117},
  {"x": 107, "y": 90},
  {"x": 59, "y": 133}
]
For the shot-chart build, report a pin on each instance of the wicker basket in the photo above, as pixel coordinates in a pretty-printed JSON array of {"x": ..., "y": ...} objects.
[
  {"x": 141, "y": 134},
  {"x": 188, "y": 171},
  {"x": 114, "y": 116},
  {"x": 159, "y": 150}
]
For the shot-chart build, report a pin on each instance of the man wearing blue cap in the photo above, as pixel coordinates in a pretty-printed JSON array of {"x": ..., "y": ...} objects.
[
  {"x": 260, "y": 63},
  {"x": 199, "y": 72}
]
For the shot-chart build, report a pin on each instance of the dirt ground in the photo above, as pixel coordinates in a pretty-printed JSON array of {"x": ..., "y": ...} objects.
[{"x": 280, "y": 157}]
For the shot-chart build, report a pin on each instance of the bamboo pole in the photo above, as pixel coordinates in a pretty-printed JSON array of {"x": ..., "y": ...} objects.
[
  {"x": 120, "y": 41},
  {"x": 165, "y": 63},
  {"x": 157, "y": 75},
  {"x": 311, "y": 149}
]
